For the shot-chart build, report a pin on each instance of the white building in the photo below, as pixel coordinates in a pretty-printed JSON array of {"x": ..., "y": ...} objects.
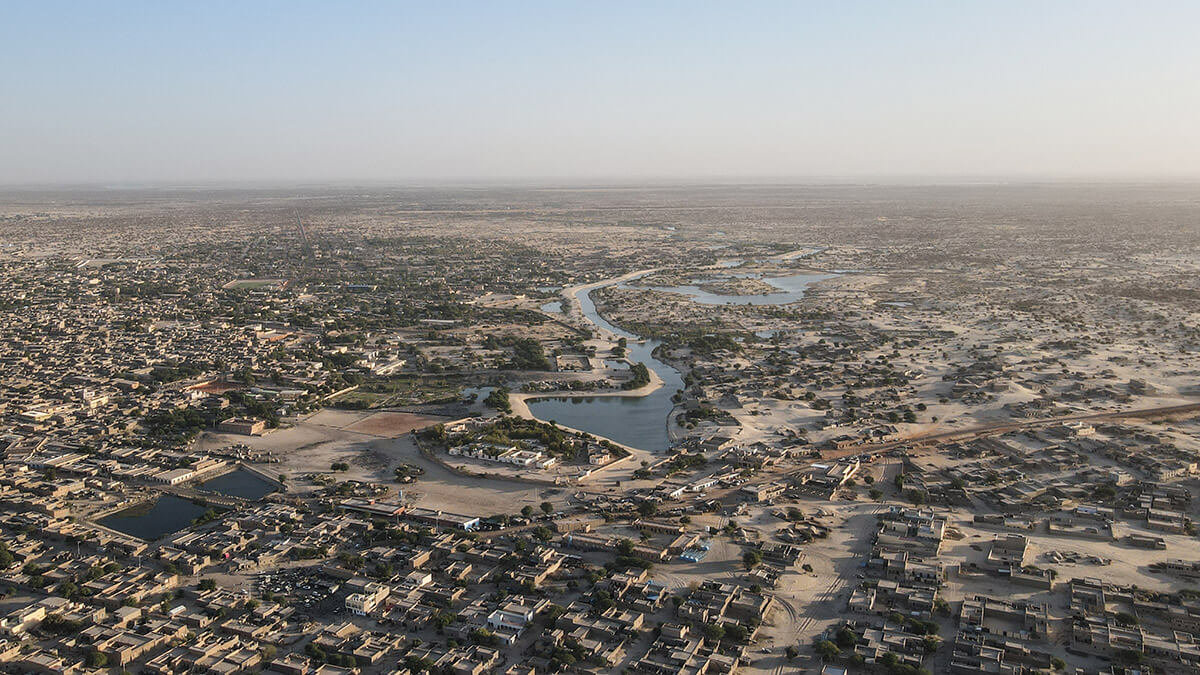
[{"x": 366, "y": 602}]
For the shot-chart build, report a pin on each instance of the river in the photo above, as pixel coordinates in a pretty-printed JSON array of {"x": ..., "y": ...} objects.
[
  {"x": 641, "y": 421},
  {"x": 636, "y": 421}
]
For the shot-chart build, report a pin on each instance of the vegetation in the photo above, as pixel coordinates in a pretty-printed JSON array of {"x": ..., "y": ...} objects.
[
  {"x": 641, "y": 376},
  {"x": 498, "y": 400},
  {"x": 527, "y": 352}
]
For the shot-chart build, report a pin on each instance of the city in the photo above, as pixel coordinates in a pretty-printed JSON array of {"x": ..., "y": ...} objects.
[
  {"x": 599, "y": 338},
  {"x": 285, "y": 445}
]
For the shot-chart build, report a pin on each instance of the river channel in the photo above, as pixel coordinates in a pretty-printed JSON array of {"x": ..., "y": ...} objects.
[{"x": 641, "y": 421}]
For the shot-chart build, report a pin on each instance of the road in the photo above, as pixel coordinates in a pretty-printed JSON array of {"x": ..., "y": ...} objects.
[{"x": 1006, "y": 427}]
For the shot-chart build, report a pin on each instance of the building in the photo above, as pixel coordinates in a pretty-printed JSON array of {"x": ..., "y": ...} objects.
[
  {"x": 368, "y": 600},
  {"x": 246, "y": 426}
]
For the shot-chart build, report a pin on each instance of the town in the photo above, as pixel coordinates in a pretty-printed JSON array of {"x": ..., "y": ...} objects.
[{"x": 704, "y": 430}]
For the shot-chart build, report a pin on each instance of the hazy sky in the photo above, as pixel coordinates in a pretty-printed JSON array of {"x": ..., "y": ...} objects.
[{"x": 225, "y": 91}]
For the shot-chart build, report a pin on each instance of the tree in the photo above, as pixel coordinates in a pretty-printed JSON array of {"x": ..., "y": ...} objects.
[
  {"x": 647, "y": 509},
  {"x": 751, "y": 558},
  {"x": 97, "y": 659},
  {"x": 736, "y": 632},
  {"x": 713, "y": 632},
  {"x": 547, "y": 508},
  {"x": 527, "y": 510},
  {"x": 826, "y": 650},
  {"x": 875, "y": 494},
  {"x": 1126, "y": 619},
  {"x": 1129, "y": 656},
  {"x": 498, "y": 400},
  {"x": 1057, "y": 663},
  {"x": 207, "y": 584},
  {"x": 442, "y": 619},
  {"x": 845, "y": 638}
]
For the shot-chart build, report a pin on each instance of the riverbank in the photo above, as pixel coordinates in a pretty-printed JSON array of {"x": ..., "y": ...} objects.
[
  {"x": 633, "y": 418},
  {"x": 572, "y": 307},
  {"x": 520, "y": 405}
]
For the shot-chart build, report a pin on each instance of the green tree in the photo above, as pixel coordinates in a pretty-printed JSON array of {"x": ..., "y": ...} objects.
[
  {"x": 827, "y": 650},
  {"x": 845, "y": 638}
]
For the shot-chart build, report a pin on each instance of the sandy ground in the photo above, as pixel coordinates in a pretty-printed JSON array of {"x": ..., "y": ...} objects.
[
  {"x": 393, "y": 424},
  {"x": 335, "y": 436},
  {"x": 520, "y": 406},
  {"x": 439, "y": 488}
]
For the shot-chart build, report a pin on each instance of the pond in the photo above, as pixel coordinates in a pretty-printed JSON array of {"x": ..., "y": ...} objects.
[
  {"x": 166, "y": 515},
  {"x": 240, "y": 483}
]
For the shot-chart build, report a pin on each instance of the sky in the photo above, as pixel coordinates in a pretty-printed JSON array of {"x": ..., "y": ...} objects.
[{"x": 231, "y": 91}]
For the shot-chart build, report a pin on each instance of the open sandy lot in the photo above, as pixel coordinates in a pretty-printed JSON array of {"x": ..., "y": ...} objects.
[{"x": 393, "y": 424}]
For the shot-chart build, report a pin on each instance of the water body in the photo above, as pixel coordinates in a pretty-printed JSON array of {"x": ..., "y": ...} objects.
[
  {"x": 636, "y": 421},
  {"x": 166, "y": 515},
  {"x": 791, "y": 288},
  {"x": 473, "y": 394},
  {"x": 554, "y": 307},
  {"x": 641, "y": 422},
  {"x": 240, "y": 483}
]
